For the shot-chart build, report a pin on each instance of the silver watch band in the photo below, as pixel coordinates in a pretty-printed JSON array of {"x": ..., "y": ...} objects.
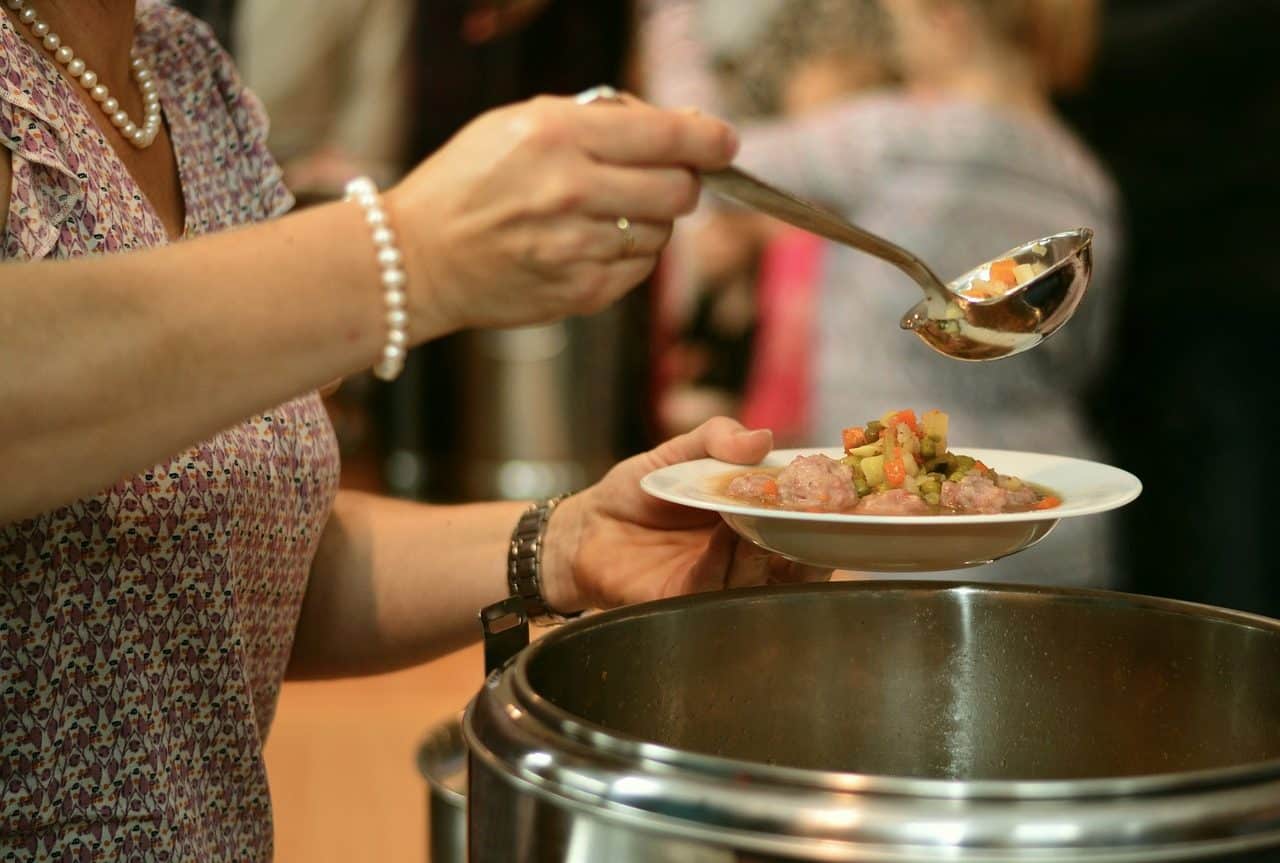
[{"x": 524, "y": 562}]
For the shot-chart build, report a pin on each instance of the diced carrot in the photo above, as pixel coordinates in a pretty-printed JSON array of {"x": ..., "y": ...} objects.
[
  {"x": 1049, "y": 502},
  {"x": 979, "y": 466},
  {"x": 1002, "y": 271},
  {"x": 907, "y": 418},
  {"x": 769, "y": 488},
  {"x": 853, "y": 438},
  {"x": 895, "y": 471}
]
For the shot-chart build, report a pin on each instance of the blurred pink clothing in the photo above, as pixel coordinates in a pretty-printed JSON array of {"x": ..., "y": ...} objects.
[{"x": 781, "y": 377}]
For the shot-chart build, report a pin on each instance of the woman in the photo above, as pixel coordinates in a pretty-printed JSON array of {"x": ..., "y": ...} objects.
[
  {"x": 146, "y": 622},
  {"x": 963, "y": 161}
]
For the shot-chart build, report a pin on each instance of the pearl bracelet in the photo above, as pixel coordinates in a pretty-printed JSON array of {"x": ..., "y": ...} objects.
[{"x": 391, "y": 273}]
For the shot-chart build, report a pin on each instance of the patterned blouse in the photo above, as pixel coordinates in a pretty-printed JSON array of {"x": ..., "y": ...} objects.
[{"x": 144, "y": 631}]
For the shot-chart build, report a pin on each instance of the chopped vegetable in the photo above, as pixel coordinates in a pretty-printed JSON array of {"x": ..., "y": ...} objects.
[
  {"x": 935, "y": 425},
  {"x": 873, "y": 469},
  {"x": 895, "y": 471},
  {"x": 897, "y": 465},
  {"x": 1024, "y": 273},
  {"x": 853, "y": 438},
  {"x": 1003, "y": 270},
  {"x": 907, "y": 418}
]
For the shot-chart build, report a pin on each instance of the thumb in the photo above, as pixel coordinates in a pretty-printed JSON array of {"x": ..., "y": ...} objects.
[{"x": 720, "y": 437}]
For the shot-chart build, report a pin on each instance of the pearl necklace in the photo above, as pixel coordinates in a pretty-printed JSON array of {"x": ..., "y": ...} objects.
[{"x": 140, "y": 135}]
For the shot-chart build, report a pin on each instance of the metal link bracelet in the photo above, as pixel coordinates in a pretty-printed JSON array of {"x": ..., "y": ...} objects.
[{"x": 524, "y": 563}]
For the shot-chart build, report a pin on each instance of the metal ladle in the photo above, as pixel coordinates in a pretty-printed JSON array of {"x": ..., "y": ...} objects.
[
  {"x": 956, "y": 326},
  {"x": 953, "y": 325}
]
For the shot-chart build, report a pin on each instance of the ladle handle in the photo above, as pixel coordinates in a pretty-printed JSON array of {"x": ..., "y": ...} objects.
[{"x": 742, "y": 188}]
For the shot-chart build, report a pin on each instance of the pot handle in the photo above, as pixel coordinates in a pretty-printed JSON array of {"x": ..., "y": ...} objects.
[{"x": 506, "y": 632}]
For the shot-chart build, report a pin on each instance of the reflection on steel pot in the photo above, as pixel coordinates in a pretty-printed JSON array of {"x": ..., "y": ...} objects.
[
  {"x": 884, "y": 721},
  {"x": 442, "y": 761}
]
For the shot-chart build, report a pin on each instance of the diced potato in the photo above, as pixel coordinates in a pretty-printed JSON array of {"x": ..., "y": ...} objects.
[
  {"x": 1024, "y": 273},
  {"x": 935, "y": 426},
  {"x": 873, "y": 469},
  {"x": 909, "y": 462},
  {"x": 865, "y": 450},
  {"x": 1039, "y": 250}
]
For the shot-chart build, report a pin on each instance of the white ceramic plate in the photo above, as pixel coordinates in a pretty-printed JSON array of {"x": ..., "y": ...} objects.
[{"x": 897, "y": 543}]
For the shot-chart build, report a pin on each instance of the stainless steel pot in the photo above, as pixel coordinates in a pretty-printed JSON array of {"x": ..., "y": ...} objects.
[
  {"x": 884, "y": 721},
  {"x": 442, "y": 761}
]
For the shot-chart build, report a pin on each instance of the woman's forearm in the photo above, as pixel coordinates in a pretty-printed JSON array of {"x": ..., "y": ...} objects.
[
  {"x": 109, "y": 365},
  {"x": 395, "y": 583}
]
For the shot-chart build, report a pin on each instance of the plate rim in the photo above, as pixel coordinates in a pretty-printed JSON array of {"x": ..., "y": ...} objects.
[{"x": 1132, "y": 490}]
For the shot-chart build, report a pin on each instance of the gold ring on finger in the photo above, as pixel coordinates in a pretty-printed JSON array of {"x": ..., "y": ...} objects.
[
  {"x": 628, "y": 236},
  {"x": 602, "y": 93}
]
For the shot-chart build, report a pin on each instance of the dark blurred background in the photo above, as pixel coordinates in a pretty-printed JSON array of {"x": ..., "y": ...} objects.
[{"x": 1184, "y": 106}]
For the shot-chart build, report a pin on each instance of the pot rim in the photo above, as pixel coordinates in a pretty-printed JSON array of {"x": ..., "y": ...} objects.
[
  {"x": 628, "y": 748},
  {"x": 442, "y": 742}
]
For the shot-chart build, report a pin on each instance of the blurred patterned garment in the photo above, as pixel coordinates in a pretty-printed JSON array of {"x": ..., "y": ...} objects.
[
  {"x": 958, "y": 182},
  {"x": 144, "y": 631},
  {"x": 218, "y": 14}
]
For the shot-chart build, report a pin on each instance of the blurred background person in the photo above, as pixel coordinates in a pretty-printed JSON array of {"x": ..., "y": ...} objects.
[
  {"x": 335, "y": 86},
  {"x": 746, "y": 347},
  {"x": 962, "y": 160}
]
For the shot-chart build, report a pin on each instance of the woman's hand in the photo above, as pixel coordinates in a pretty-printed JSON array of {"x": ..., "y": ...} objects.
[
  {"x": 515, "y": 221},
  {"x": 613, "y": 544}
]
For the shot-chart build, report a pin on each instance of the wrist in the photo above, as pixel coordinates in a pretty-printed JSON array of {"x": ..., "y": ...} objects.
[
  {"x": 429, "y": 317},
  {"x": 562, "y": 539}
]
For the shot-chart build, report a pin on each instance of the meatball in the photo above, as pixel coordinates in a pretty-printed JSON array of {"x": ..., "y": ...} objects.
[
  {"x": 895, "y": 501},
  {"x": 815, "y": 482},
  {"x": 754, "y": 487},
  {"x": 974, "y": 493},
  {"x": 1021, "y": 498}
]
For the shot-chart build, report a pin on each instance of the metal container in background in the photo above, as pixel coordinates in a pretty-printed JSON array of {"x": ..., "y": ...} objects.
[
  {"x": 538, "y": 408},
  {"x": 442, "y": 761},
  {"x": 896, "y": 722}
]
